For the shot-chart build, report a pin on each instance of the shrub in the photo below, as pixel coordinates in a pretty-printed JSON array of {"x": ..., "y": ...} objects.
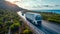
[{"x": 27, "y": 31}]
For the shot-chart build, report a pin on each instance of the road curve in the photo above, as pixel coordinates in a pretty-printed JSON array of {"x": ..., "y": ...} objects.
[
  {"x": 36, "y": 30},
  {"x": 46, "y": 27}
]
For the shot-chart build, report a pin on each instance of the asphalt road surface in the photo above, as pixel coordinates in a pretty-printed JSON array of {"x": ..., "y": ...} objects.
[{"x": 45, "y": 28}]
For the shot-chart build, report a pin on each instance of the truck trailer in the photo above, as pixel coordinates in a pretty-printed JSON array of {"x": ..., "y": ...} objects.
[{"x": 34, "y": 18}]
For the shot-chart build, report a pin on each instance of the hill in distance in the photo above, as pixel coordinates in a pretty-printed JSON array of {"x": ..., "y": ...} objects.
[{"x": 9, "y": 6}]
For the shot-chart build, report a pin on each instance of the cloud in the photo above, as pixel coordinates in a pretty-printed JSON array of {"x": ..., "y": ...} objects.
[
  {"x": 37, "y": 4},
  {"x": 47, "y": 6}
]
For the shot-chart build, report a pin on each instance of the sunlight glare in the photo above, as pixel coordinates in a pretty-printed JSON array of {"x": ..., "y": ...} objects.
[{"x": 12, "y": 1}]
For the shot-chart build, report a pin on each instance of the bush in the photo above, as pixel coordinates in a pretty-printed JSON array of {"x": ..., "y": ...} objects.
[
  {"x": 27, "y": 31},
  {"x": 15, "y": 26}
]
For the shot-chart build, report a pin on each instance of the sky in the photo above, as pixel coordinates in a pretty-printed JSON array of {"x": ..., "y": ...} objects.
[{"x": 39, "y": 4}]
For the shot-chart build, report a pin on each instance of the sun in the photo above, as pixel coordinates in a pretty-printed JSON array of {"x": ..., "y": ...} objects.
[{"x": 12, "y": 1}]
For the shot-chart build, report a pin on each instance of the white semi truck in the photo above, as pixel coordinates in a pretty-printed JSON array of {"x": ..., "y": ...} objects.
[{"x": 34, "y": 18}]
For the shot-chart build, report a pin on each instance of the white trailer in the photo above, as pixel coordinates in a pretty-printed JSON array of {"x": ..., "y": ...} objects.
[{"x": 34, "y": 18}]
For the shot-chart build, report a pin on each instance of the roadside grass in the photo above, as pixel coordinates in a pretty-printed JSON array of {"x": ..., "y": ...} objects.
[{"x": 52, "y": 17}]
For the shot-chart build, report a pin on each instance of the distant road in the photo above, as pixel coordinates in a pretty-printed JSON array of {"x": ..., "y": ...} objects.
[{"x": 46, "y": 27}]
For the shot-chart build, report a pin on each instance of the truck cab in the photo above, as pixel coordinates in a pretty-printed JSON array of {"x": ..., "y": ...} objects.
[{"x": 38, "y": 19}]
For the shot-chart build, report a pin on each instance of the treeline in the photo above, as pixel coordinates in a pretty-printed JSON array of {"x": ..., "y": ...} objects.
[
  {"x": 52, "y": 17},
  {"x": 10, "y": 20}
]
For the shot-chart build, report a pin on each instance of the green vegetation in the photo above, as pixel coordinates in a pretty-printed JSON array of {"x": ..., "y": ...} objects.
[
  {"x": 10, "y": 20},
  {"x": 15, "y": 26},
  {"x": 51, "y": 17},
  {"x": 27, "y": 31}
]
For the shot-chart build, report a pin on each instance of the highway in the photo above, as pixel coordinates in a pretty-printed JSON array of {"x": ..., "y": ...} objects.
[
  {"x": 51, "y": 27},
  {"x": 45, "y": 28}
]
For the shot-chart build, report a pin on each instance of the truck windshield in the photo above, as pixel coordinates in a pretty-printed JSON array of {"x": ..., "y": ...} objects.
[{"x": 38, "y": 17}]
